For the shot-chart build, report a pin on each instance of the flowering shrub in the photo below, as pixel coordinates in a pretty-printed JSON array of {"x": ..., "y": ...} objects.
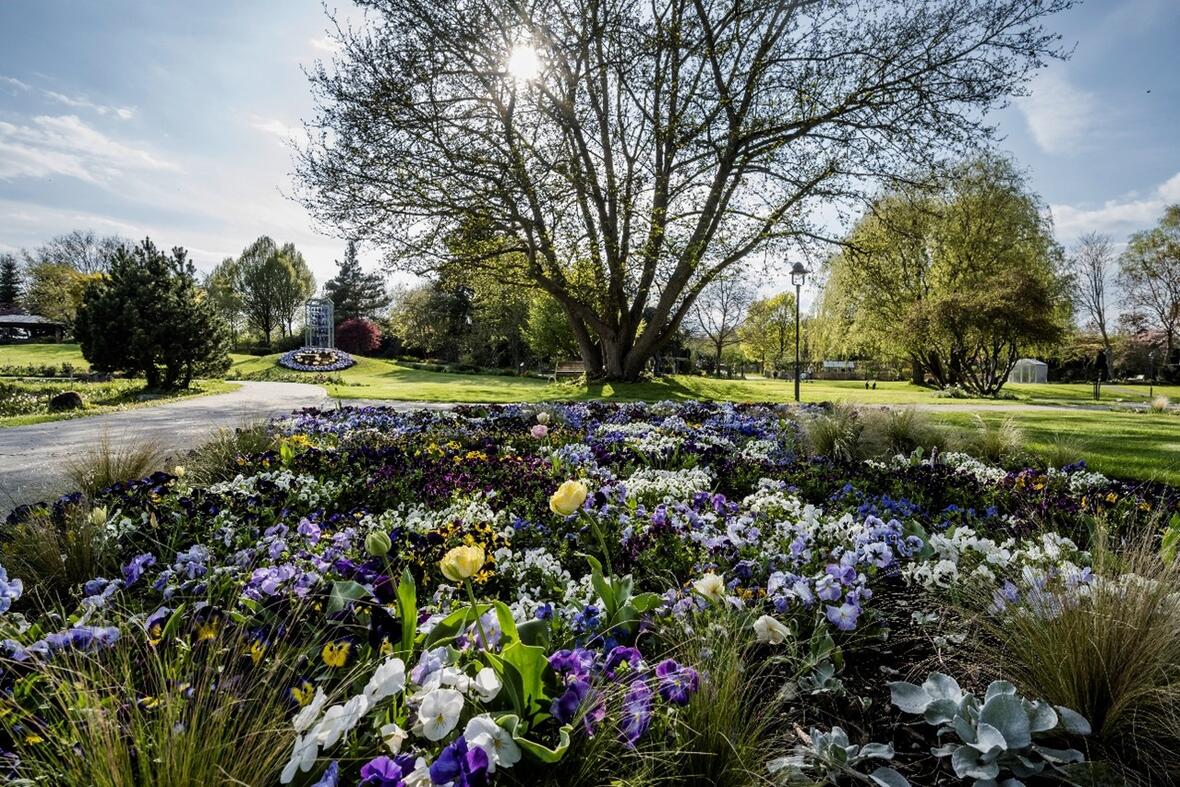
[{"x": 465, "y": 598}]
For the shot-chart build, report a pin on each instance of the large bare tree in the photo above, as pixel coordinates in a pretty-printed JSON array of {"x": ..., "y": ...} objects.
[
  {"x": 648, "y": 144},
  {"x": 1149, "y": 274},
  {"x": 1091, "y": 266},
  {"x": 719, "y": 311}
]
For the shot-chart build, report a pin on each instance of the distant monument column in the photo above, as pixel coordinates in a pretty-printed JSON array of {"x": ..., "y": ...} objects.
[{"x": 320, "y": 331}]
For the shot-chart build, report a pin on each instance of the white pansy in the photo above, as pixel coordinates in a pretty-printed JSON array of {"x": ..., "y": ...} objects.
[
  {"x": 393, "y": 737},
  {"x": 439, "y": 713},
  {"x": 310, "y": 712},
  {"x": 770, "y": 631},
  {"x": 387, "y": 680},
  {"x": 303, "y": 757},
  {"x": 340, "y": 719},
  {"x": 497, "y": 743},
  {"x": 486, "y": 684}
]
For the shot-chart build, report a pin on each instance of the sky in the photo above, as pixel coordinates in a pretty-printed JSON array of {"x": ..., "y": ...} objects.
[{"x": 171, "y": 119}]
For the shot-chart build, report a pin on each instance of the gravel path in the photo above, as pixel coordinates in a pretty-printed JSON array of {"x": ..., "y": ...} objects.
[{"x": 31, "y": 457}]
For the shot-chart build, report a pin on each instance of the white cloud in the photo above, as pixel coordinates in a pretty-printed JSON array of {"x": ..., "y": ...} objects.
[
  {"x": 273, "y": 126},
  {"x": 325, "y": 44},
  {"x": 74, "y": 102},
  {"x": 15, "y": 83},
  {"x": 1117, "y": 217},
  {"x": 54, "y": 145},
  {"x": 1061, "y": 116}
]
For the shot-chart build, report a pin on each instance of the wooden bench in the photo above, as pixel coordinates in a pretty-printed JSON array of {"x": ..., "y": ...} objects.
[{"x": 569, "y": 370}]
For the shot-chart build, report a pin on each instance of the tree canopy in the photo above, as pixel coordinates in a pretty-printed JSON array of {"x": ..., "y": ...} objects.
[
  {"x": 354, "y": 293},
  {"x": 147, "y": 316},
  {"x": 273, "y": 284},
  {"x": 659, "y": 143},
  {"x": 960, "y": 280},
  {"x": 1149, "y": 273}
]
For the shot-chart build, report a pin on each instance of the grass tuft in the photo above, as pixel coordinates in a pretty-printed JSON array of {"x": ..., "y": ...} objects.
[
  {"x": 1112, "y": 654},
  {"x": 106, "y": 464}
]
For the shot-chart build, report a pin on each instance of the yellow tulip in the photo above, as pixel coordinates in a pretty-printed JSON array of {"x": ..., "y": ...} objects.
[
  {"x": 463, "y": 562},
  {"x": 568, "y": 498}
]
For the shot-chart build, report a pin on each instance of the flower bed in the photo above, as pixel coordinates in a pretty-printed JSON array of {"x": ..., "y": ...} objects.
[
  {"x": 567, "y": 595},
  {"x": 316, "y": 359}
]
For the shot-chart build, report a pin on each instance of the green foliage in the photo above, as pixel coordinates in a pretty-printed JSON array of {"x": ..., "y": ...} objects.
[
  {"x": 432, "y": 320},
  {"x": 223, "y": 287},
  {"x": 220, "y": 457},
  {"x": 548, "y": 331},
  {"x": 53, "y": 555},
  {"x": 147, "y": 316},
  {"x": 837, "y": 435},
  {"x": 768, "y": 332},
  {"x": 273, "y": 283},
  {"x": 1149, "y": 275},
  {"x": 227, "y": 725},
  {"x": 55, "y": 291},
  {"x": 901, "y": 430},
  {"x": 10, "y": 281},
  {"x": 961, "y": 279},
  {"x": 998, "y": 736},
  {"x": 997, "y": 441},
  {"x": 353, "y": 292}
]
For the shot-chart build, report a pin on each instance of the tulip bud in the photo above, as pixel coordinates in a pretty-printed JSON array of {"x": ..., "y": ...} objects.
[
  {"x": 98, "y": 516},
  {"x": 568, "y": 498},
  {"x": 463, "y": 563},
  {"x": 378, "y": 543},
  {"x": 543, "y": 418}
]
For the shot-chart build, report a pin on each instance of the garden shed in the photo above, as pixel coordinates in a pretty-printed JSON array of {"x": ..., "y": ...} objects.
[{"x": 1029, "y": 370}]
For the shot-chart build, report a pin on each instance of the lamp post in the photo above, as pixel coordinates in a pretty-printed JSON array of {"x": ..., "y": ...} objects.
[{"x": 798, "y": 277}]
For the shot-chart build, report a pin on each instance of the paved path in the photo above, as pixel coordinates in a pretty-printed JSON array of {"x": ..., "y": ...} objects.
[{"x": 31, "y": 457}]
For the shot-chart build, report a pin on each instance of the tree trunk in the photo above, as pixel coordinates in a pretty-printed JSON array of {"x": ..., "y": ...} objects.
[{"x": 917, "y": 371}]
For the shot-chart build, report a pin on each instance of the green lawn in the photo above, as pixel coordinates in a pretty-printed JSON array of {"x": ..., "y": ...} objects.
[
  {"x": 1121, "y": 444},
  {"x": 42, "y": 355},
  {"x": 27, "y": 401}
]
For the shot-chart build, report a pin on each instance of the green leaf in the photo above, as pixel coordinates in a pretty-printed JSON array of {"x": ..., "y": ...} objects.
[
  {"x": 1006, "y": 714},
  {"x": 504, "y": 618},
  {"x": 887, "y": 777},
  {"x": 173, "y": 624},
  {"x": 532, "y": 748},
  {"x": 343, "y": 593},
  {"x": 407, "y": 610},
  {"x": 534, "y": 632},
  {"x": 646, "y": 602},
  {"x": 530, "y": 662},
  {"x": 512, "y": 681},
  {"x": 450, "y": 626}
]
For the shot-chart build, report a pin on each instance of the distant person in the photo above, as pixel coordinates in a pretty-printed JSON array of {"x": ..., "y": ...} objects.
[{"x": 874, "y": 385}]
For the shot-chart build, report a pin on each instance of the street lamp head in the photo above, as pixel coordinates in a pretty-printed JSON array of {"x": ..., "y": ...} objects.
[{"x": 799, "y": 274}]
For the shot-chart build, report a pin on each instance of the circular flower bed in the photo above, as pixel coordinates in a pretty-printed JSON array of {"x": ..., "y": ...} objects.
[{"x": 316, "y": 359}]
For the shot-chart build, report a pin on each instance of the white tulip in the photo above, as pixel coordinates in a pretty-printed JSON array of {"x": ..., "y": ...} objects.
[{"x": 770, "y": 631}]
